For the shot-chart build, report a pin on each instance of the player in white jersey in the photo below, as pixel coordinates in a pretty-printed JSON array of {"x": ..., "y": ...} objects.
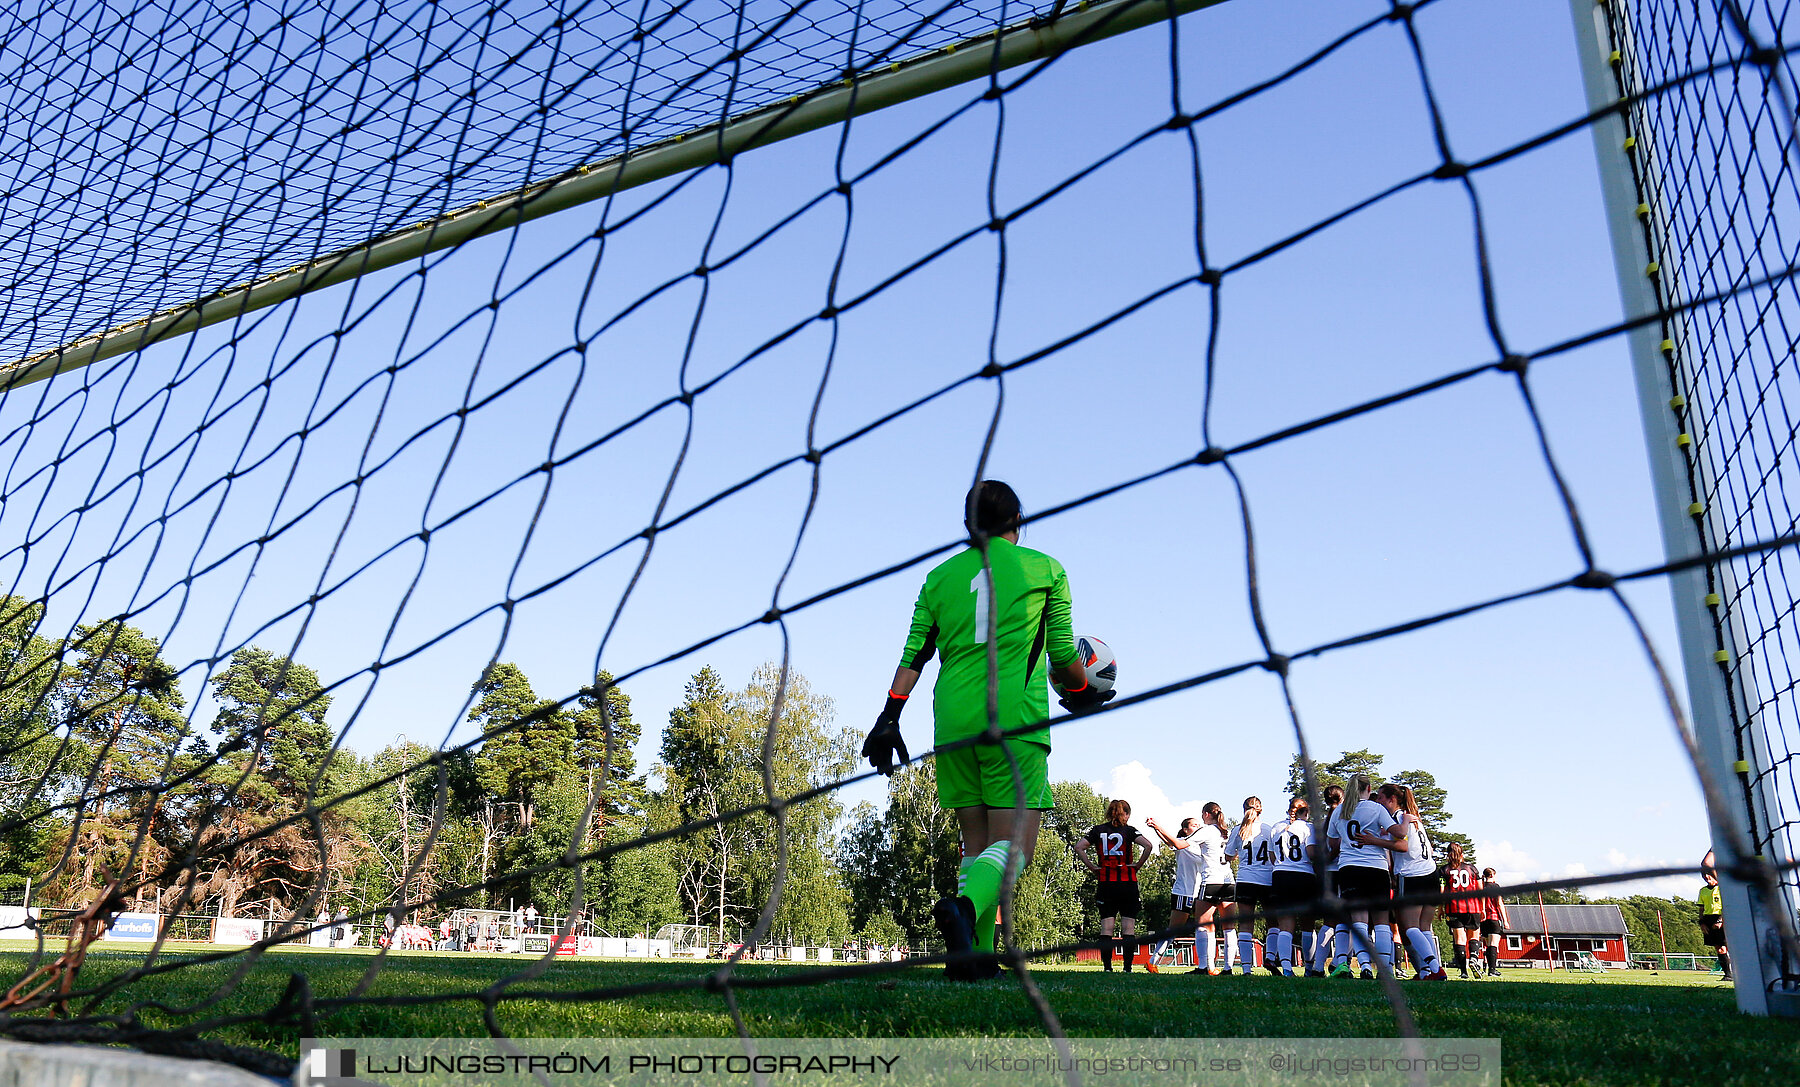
[
  {"x": 1330, "y": 945},
  {"x": 1415, "y": 873},
  {"x": 1220, "y": 886},
  {"x": 1249, "y": 846},
  {"x": 1186, "y": 892},
  {"x": 1362, "y": 875},
  {"x": 1292, "y": 883}
]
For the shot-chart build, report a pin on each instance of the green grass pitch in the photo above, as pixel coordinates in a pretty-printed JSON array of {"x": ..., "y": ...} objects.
[{"x": 1568, "y": 1029}]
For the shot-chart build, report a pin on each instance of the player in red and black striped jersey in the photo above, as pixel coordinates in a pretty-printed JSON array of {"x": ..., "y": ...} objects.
[
  {"x": 1115, "y": 845},
  {"x": 1493, "y": 922},
  {"x": 1462, "y": 915}
]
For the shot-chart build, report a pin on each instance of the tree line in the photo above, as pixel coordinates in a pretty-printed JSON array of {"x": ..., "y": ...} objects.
[{"x": 261, "y": 813}]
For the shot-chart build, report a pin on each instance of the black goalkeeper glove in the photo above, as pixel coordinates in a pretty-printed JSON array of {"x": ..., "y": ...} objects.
[
  {"x": 1084, "y": 699},
  {"x": 884, "y": 743}
]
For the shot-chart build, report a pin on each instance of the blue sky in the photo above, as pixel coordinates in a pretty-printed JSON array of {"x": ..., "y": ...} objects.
[{"x": 1542, "y": 718}]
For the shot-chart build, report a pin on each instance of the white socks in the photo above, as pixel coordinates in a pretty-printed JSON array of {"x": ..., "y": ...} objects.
[
  {"x": 1384, "y": 946},
  {"x": 1203, "y": 948},
  {"x": 1363, "y": 942},
  {"x": 1422, "y": 950},
  {"x": 1281, "y": 945},
  {"x": 1246, "y": 945}
]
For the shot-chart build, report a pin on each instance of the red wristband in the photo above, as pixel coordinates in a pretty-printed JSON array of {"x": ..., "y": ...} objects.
[
  {"x": 1077, "y": 690},
  {"x": 891, "y": 694}
]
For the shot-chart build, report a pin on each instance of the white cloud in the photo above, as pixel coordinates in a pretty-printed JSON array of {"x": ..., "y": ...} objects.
[
  {"x": 1510, "y": 864},
  {"x": 1617, "y": 860},
  {"x": 1133, "y": 782}
]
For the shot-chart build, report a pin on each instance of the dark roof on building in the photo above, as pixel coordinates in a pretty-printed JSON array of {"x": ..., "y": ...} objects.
[{"x": 1524, "y": 918}]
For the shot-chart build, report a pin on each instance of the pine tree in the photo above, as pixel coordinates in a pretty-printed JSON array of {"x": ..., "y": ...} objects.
[
  {"x": 529, "y": 739},
  {"x": 121, "y": 705}
]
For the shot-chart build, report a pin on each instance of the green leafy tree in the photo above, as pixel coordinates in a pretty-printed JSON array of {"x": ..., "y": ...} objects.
[
  {"x": 806, "y": 752},
  {"x": 1156, "y": 880},
  {"x": 882, "y": 929},
  {"x": 706, "y": 772},
  {"x": 1658, "y": 923},
  {"x": 863, "y": 857},
  {"x": 1053, "y": 902},
  {"x": 636, "y": 889},
  {"x": 713, "y": 764},
  {"x": 902, "y": 860},
  {"x": 1554, "y": 896},
  {"x": 29, "y": 742},
  {"x": 396, "y": 824}
]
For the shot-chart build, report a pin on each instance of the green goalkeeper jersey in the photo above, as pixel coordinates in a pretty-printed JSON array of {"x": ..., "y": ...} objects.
[{"x": 951, "y": 618}]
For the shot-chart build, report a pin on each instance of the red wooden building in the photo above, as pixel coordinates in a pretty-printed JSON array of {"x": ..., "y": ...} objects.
[{"x": 1536, "y": 935}]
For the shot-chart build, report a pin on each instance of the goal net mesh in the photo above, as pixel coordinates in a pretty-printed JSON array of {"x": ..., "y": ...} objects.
[
  {"x": 232, "y": 556},
  {"x": 1712, "y": 150}
]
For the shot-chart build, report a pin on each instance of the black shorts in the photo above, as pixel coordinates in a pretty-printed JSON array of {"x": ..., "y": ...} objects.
[
  {"x": 1253, "y": 896},
  {"x": 1220, "y": 892},
  {"x": 1119, "y": 897},
  {"x": 1491, "y": 927},
  {"x": 1712, "y": 929},
  {"x": 1358, "y": 884},
  {"x": 1462, "y": 920},
  {"x": 1289, "y": 890},
  {"x": 1183, "y": 903},
  {"x": 1430, "y": 883}
]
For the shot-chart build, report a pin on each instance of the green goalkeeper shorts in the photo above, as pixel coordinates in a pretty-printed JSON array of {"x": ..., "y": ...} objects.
[{"x": 979, "y": 775}]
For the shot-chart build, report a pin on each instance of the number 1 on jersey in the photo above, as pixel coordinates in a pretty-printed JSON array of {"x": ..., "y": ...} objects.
[{"x": 979, "y": 586}]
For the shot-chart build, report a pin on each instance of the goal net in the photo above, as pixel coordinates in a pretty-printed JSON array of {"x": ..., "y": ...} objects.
[
  {"x": 1704, "y": 208},
  {"x": 693, "y": 941},
  {"x": 407, "y": 410}
]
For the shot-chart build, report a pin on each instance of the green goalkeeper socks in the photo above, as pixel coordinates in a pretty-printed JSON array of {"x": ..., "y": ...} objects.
[
  {"x": 981, "y": 880},
  {"x": 984, "y": 928},
  {"x": 984, "y": 922}
]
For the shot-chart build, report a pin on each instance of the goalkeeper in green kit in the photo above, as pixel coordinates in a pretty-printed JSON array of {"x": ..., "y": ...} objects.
[{"x": 1025, "y": 610}]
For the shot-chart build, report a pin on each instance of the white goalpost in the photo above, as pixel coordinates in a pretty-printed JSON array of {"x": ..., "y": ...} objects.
[{"x": 1731, "y": 633}]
